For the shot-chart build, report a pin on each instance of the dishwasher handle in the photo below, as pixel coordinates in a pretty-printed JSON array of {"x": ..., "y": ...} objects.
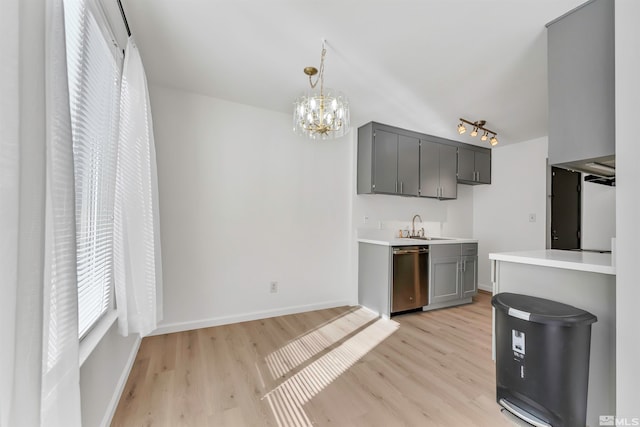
[{"x": 412, "y": 250}]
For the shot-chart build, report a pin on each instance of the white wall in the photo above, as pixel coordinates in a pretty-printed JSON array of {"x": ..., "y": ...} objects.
[
  {"x": 501, "y": 210},
  {"x": 104, "y": 375},
  {"x": 243, "y": 202},
  {"x": 450, "y": 218},
  {"x": 598, "y": 215},
  {"x": 627, "y": 52}
]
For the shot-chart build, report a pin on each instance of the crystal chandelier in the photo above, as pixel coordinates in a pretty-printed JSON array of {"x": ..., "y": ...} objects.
[{"x": 321, "y": 114}]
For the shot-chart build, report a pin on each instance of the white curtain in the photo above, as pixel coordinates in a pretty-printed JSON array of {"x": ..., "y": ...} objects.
[
  {"x": 39, "y": 361},
  {"x": 137, "y": 258},
  {"x": 9, "y": 209},
  {"x": 60, "y": 367}
]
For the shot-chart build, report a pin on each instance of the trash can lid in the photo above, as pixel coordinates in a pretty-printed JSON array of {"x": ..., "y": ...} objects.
[{"x": 540, "y": 310}]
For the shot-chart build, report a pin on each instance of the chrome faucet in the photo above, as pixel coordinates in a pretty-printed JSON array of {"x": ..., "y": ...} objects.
[{"x": 413, "y": 225}]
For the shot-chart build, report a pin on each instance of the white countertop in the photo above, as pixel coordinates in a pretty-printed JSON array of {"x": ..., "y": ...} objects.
[
  {"x": 396, "y": 241},
  {"x": 569, "y": 260}
]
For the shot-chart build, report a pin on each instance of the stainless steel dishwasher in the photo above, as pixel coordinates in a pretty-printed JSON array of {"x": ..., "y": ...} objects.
[{"x": 410, "y": 278}]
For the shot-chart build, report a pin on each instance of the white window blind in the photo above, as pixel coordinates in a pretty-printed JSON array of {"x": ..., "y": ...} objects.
[{"x": 94, "y": 90}]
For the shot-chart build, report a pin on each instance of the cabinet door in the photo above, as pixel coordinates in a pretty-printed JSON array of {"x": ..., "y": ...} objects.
[
  {"x": 581, "y": 84},
  {"x": 408, "y": 165},
  {"x": 429, "y": 169},
  {"x": 483, "y": 167},
  {"x": 469, "y": 276},
  {"x": 466, "y": 164},
  {"x": 385, "y": 162},
  {"x": 445, "y": 282},
  {"x": 448, "y": 169}
]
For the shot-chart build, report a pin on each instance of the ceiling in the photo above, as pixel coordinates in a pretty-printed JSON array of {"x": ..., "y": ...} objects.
[{"x": 417, "y": 64}]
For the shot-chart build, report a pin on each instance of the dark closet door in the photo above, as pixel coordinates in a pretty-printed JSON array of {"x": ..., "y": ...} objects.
[{"x": 565, "y": 209}]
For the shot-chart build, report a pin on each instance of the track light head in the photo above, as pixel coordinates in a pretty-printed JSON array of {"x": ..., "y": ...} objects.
[
  {"x": 474, "y": 132},
  {"x": 484, "y": 136},
  {"x": 461, "y": 128},
  {"x": 493, "y": 141}
]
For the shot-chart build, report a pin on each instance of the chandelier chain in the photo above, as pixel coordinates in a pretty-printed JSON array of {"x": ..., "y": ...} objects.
[{"x": 320, "y": 77}]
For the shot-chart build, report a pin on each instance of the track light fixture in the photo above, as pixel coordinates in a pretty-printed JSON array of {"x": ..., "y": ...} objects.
[{"x": 478, "y": 125}]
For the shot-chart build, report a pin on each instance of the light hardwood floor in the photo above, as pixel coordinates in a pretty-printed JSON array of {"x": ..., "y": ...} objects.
[{"x": 336, "y": 367}]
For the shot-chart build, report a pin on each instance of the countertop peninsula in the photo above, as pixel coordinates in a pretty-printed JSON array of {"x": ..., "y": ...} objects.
[{"x": 593, "y": 262}]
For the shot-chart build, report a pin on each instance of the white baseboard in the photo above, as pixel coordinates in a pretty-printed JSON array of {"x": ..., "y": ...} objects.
[
  {"x": 487, "y": 288},
  {"x": 122, "y": 382},
  {"x": 245, "y": 317}
]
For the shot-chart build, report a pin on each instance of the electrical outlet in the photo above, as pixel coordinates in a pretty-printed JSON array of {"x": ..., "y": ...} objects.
[
  {"x": 532, "y": 217},
  {"x": 274, "y": 287}
]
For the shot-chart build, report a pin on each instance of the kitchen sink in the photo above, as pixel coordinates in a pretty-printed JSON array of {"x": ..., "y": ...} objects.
[{"x": 428, "y": 238}]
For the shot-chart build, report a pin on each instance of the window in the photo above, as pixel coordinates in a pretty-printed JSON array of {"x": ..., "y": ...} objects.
[{"x": 93, "y": 67}]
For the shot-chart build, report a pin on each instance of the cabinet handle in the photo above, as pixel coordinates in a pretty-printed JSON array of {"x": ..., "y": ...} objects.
[
  {"x": 401, "y": 188},
  {"x": 396, "y": 190}
]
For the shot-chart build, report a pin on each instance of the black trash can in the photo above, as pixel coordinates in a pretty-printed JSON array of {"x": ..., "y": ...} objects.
[{"x": 542, "y": 359}]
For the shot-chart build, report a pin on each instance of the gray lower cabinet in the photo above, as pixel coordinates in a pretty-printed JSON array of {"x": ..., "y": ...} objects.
[
  {"x": 438, "y": 170},
  {"x": 452, "y": 270},
  {"x": 453, "y": 273},
  {"x": 444, "y": 283},
  {"x": 474, "y": 166},
  {"x": 469, "y": 276},
  {"x": 375, "y": 275}
]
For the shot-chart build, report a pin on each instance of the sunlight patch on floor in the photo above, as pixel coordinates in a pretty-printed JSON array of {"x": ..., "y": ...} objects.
[
  {"x": 307, "y": 346},
  {"x": 287, "y": 399}
]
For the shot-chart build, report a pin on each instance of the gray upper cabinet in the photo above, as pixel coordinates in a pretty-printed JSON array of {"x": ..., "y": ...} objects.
[
  {"x": 437, "y": 170},
  {"x": 408, "y": 165},
  {"x": 401, "y": 162},
  {"x": 474, "y": 165},
  {"x": 388, "y": 161},
  {"x": 385, "y": 162},
  {"x": 582, "y": 84}
]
